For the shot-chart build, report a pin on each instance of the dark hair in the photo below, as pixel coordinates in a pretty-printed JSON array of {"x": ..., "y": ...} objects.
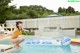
[{"x": 17, "y": 23}]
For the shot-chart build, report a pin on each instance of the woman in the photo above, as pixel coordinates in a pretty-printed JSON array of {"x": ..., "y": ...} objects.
[{"x": 15, "y": 36}]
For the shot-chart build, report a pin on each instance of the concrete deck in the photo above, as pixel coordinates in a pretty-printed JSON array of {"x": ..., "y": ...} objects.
[{"x": 4, "y": 48}]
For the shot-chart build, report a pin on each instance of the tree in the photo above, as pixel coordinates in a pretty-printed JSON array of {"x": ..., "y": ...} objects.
[
  {"x": 67, "y": 11},
  {"x": 70, "y": 10},
  {"x": 34, "y": 11},
  {"x": 32, "y": 14},
  {"x": 4, "y": 9},
  {"x": 60, "y": 10},
  {"x": 64, "y": 10}
]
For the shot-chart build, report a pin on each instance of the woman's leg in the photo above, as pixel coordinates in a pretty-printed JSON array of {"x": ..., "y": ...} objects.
[{"x": 19, "y": 40}]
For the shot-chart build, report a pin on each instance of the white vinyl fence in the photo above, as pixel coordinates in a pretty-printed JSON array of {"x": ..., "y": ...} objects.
[{"x": 58, "y": 22}]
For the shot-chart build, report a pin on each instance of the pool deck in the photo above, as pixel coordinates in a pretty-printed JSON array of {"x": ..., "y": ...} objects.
[
  {"x": 4, "y": 48},
  {"x": 10, "y": 50}
]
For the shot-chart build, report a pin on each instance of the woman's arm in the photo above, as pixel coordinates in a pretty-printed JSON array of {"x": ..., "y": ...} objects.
[{"x": 14, "y": 34}]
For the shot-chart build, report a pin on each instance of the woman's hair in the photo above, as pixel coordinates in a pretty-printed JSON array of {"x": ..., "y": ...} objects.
[{"x": 17, "y": 23}]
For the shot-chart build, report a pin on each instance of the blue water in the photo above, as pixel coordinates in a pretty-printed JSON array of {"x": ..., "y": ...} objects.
[{"x": 43, "y": 48}]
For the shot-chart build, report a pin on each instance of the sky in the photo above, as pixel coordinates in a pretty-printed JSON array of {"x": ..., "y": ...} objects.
[{"x": 49, "y": 4}]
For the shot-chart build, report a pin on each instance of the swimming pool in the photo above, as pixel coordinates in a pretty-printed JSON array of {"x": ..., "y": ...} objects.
[{"x": 43, "y": 48}]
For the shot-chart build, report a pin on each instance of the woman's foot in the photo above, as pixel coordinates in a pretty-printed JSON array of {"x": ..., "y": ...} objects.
[{"x": 17, "y": 47}]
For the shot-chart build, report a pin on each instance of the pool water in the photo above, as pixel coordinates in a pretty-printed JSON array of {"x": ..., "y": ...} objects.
[{"x": 43, "y": 48}]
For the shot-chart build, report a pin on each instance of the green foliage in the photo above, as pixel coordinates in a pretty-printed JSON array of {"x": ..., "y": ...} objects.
[
  {"x": 32, "y": 14},
  {"x": 25, "y": 33},
  {"x": 26, "y": 12},
  {"x": 60, "y": 10},
  {"x": 34, "y": 11},
  {"x": 68, "y": 12},
  {"x": 5, "y": 10}
]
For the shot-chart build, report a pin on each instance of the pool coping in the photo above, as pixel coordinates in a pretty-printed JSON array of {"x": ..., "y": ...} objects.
[{"x": 4, "y": 48}]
